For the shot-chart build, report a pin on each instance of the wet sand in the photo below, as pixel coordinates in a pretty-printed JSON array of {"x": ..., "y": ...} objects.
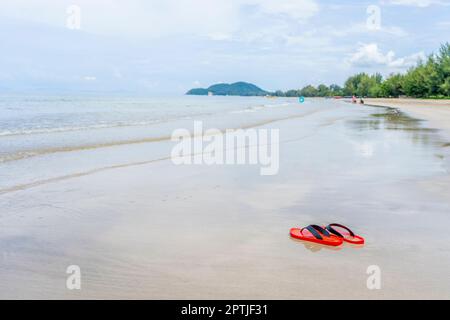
[
  {"x": 437, "y": 112},
  {"x": 153, "y": 230}
]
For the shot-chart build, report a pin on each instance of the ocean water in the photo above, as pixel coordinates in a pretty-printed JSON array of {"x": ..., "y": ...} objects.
[{"x": 63, "y": 135}]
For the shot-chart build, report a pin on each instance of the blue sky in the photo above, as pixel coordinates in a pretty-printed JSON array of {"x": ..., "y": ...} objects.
[{"x": 170, "y": 46}]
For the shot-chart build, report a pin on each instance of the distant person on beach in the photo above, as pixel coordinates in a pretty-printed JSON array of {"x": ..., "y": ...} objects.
[
  {"x": 353, "y": 99},
  {"x": 361, "y": 100}
]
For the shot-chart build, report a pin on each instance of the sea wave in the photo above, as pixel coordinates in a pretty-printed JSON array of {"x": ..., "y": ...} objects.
[
  {"x": 44, "y": 151},
  {"x": 41, "y": 130},
  {"x": 37, "y": 183},
  {"x": 97, "y": 126},
  {"x": 8, "y": 132},
  {"x": 261, "y": 107}
]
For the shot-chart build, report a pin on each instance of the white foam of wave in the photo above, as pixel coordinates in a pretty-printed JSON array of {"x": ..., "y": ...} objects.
[
  {"x": 257, "y": 108},
  {"x": 40, "y": 130}
]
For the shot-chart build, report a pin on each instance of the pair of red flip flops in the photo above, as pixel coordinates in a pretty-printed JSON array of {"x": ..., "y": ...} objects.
[{"x": 332, "y": 235}]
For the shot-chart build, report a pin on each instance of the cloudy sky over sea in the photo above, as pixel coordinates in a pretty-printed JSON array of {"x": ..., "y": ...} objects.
[{"x": 167, "y": 47}]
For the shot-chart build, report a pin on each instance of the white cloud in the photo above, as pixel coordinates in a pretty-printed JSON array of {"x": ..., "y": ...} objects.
[
  {"x": 443, "y": 24},
  {"x": 369, "y": 55},
  {"x": 361, "y": 28},
  {"x": 393, "y": 30},
  {"x": 419, "y": 3},
  {"x": 297, "y": 9},
  {"x": 215, "y": 19}
]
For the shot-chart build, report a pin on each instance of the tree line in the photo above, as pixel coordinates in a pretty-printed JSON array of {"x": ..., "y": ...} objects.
[{"x": 428, "y": 79}]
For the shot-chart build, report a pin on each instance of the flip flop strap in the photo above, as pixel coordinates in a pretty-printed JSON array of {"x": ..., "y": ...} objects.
[
  {"x": 333, "y": 231},
  {"x": 317, "y": 231}
]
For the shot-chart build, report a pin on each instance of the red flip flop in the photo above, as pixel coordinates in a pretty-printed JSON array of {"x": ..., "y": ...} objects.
[
  {"x": 316, "y": 234},
  {"x": 344, "y": 233}
]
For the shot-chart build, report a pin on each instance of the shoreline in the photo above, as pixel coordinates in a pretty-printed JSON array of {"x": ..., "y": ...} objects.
[{"x": 436, "y": 112}]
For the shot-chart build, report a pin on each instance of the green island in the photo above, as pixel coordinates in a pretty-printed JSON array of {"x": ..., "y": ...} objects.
[{"x": 234, "y": 89}]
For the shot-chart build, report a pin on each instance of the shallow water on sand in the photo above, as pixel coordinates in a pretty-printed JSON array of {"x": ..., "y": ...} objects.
[{"x": 107, "y": 199}]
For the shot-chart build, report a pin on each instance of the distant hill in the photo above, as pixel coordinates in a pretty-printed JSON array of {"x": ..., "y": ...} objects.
[{"x": 234, "y": 89}]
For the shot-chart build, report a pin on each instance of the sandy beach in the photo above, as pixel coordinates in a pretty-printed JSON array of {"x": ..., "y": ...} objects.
[
  {"x": 437, "y": 112},
  {"x": 140, "y": 227}
]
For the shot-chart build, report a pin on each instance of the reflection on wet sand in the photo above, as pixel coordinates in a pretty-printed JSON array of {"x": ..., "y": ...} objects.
[
  {"x": 393, "y": 119},
  {"x": 316, "y": 247}
]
